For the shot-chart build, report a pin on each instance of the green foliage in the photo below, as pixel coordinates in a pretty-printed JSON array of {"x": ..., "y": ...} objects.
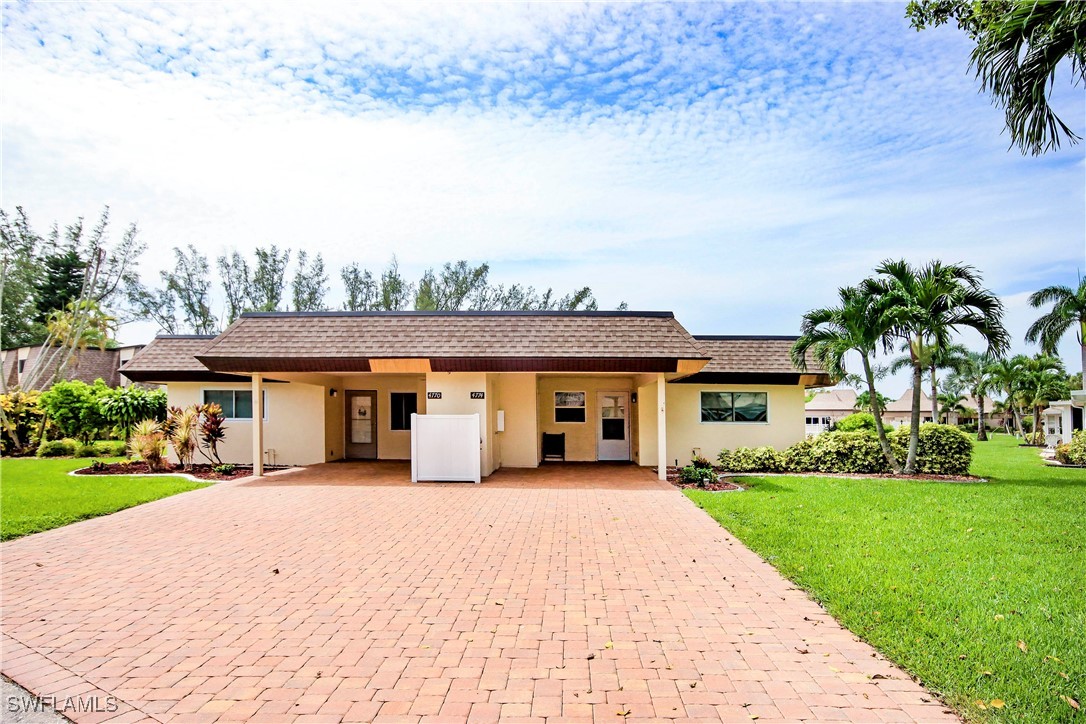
[
  {"x": 266, "y": 285},
  {"x": 1074, "y": 452},
  {"x": 61, "y": 282},
  {"x": 57, "y": 448},
  {"x": 22, "y": 419},
  {"x": 123, "y": 407},
  {"x": 310, "y": 284},
  {"x": 857, "y": 421},
  {"x": 751, "y": 460},
  {"x": 88, "y": 450},
  {"x": 72, "y": 405},
  {"x": 225, "y": 469},
  {"x": 110, "y": 448},
  {"x": 694, "y": 475},
  {"x": 855, "y": 451},
  {"x": 943, "y": 449},
  {"x": 21, "y": 271}
]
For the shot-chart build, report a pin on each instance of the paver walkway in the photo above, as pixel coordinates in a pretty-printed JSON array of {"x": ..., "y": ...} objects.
[{"x": 343, "y": 593}]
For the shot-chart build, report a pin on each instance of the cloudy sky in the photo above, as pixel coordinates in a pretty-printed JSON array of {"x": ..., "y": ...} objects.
[{"x": 732, "y": 162}]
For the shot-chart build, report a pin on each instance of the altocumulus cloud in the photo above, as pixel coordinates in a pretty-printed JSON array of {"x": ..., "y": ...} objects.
[{"x": 734, "y": 162}]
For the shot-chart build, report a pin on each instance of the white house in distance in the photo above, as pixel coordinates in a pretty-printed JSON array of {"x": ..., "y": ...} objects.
[
  {"x": 1059, "y": 420},
  {"x": 827, "y": 407},
  {"x": 312, "y": 387}
]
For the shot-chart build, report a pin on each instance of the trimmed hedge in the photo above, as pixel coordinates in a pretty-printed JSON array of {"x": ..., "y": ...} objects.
[
  {"x": 857, "y": 421},
  {"x": 943, "y": 450},
  {"x": 110, "y": 448}
]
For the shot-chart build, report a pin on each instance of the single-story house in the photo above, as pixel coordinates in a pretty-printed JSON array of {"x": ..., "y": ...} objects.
[
  {"x": 1059, "y": 420},
  {"x": 312, "y": 387},
  {"x": 87, "y": 365},
  {"x": 827, "y": 407},
  {"x": 992, "y": 420},
  {"x": 899, "y": 412}
]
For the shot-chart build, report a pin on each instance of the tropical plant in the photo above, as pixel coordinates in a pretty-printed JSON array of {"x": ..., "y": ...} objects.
[
  {"x": 1043, "y": 380},
  {"x": 862, "y": 324},
  {"x": 934, "y": 359},
  {"x": 857, "y": 421},
  {"x": 123, "y": 407},
  {"x": 932, "y": 302},
  {"x": 1020, "y": 43},
  {"x": 863, "y": 400},
  {"x": 975, "y": 372},
  {"x": 951, "y": 403},
  {"x": 211, "y": 431},
  {"x": 1068, "y": 310},
  {"x": 182, "y": 426},
  {"x": 148, "y": 443}
]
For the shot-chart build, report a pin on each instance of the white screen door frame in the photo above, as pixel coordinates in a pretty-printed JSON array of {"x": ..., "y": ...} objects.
[{"x": 612, "y": 425}]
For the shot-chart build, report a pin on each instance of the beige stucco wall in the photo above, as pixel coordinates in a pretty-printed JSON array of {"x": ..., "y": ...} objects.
[
  {"x": 686, "y": 431},
  {"x": 391, "y": 444},
  {"x": 294, "y": 427},
  {"x": 581, "y": 438},
  {"x": 518, "y": 446}
]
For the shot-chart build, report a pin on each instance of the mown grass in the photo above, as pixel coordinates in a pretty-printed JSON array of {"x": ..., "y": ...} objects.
[
  {"x": 977, "y": 589},
  {"x": 38, "y": 494}
]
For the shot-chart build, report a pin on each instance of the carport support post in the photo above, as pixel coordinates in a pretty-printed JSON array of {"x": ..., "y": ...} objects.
[
  {"x": 258, "y": 425},
  {"x": 661, "y": 427}
]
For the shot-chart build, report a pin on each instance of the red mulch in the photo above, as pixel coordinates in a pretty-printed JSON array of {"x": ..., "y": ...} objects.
[{"x": 203, "y": 471}]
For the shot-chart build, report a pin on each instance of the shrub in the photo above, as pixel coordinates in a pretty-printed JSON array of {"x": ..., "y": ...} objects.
[
  {"x": 1034, "y": 438},
  {"x": 57, "y": 448},
  {"x": 123, "y": 407},
  {"x": 110, "y": 448},
  {"x": 752, "y": 460},
  {"x": 692, "y": 474},
  {"x": 838, "y": 452},
  {"x": 72, "y": 405},
  {"x": 148, "y": 443},
  {"x": 23, "y": 419},
  {"x": 228, "y": 469},
  {"x": 1074, "y": 452},
  {"x": 86, "y": 451},
  {"x": 943, "y": 449},
  {"x": 856, "y": 421}
]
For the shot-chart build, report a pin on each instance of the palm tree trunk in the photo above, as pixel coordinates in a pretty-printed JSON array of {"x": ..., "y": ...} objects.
[
  {"x": 1037, "y": 425},
  {"x": 884, "y": 443},
  {"x": 1082, "y": 347},
  {"x": 934, "y": 396},
  {"x": 914, "y": 423},
  {"x": 982, "y": 432}
]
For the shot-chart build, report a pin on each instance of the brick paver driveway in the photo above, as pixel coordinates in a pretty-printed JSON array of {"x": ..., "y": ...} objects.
[{"x": 342, "y": 593}]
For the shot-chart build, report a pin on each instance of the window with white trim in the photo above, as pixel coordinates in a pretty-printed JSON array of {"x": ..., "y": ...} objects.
[
  {"x": 569, "y": 407},
  {"x": 735, "y": 407},
  {"x": 235, "y": 404}
]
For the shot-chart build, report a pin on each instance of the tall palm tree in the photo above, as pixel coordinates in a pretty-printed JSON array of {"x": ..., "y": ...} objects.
[
  {"x": 951, "y": 403},
  {"x": 860, "y": 324},
  {"x": 1007, "y": 378},
  {"x": 1043, "y": 380},
  {"x": 974, "y": 372},
  {"x": 933, "y": 302},
  {"x": 1068, "y": 309}
]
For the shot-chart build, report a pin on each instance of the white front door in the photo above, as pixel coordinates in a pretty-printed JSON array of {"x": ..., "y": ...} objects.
[{"x": 613, "y": 425}]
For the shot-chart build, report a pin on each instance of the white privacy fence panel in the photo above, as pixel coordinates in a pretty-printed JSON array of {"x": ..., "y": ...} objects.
[{"x": 446, "y": 448}]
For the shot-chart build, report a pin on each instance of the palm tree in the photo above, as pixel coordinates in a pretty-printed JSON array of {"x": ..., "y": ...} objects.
[
  {"x": 1043, "y": 380},
  {"x": 860, "y": 324},
  {"x": 951, "y": 403},
  {"x": 933, "y": 302},
  {"x": 975, "y": 373},
  {"x": 863, "y": 400},
  {"x": 1007, "y": 378},
  {"x": 1068, "y": 308},
  {"x": 935, "y": 358}
]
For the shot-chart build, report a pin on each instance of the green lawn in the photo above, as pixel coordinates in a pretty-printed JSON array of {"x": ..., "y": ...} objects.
[
  {"x": 38, "y": 494},
  {"x": 978, "y": 589}
]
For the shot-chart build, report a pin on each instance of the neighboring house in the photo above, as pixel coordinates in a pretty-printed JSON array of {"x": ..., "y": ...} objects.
[
  {"x": 86, "y": 365},
  {"x": 633, "y": 386},
  {"x": 899, "y": 412},
  {"x": 1059, "y": 420},
  {"x": 992, "y": 420},
  {"x": 827, "y": 407}
]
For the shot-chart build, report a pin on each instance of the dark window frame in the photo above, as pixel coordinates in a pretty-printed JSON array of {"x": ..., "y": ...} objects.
[
  {"x": 399, "y": 419},
  {"x": 730, "y": 411},
  {"x": 231, "y": 413}
]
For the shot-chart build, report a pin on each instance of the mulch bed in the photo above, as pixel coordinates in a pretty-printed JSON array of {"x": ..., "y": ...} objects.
[
  {"x": 203, "y": 471},
  {"x": 719, "y": 485}
]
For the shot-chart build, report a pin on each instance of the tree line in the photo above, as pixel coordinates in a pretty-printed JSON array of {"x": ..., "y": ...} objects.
[
  {"x": 78, "y": 282},
  {"x": 917, "y": 310}
]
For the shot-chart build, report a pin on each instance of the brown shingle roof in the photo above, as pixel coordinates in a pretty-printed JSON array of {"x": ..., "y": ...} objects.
[
  {"x": 329, "y": 336},
  {"x": 833, "y": 400},
  {"x": 752, "y": 354},
  {"x": 170, "y": 358}
]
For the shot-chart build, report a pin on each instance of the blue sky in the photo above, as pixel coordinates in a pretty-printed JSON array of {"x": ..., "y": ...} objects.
[{"x": 733, "y": 162}]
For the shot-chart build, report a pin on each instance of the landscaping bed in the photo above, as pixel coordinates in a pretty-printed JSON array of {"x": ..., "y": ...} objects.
[
  {"x": 203, "y": 471},
  {"x": 718, "y": 486}
]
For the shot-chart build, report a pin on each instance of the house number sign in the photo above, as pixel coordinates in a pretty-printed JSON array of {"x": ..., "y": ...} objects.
[
  {"x": 478, "y": 395},
  {"x": 433, "y": 395}
]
